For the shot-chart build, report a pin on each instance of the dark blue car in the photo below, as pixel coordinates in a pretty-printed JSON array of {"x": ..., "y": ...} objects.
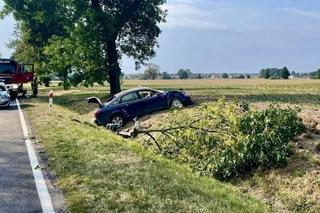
[{"x": 127, "y": 105}]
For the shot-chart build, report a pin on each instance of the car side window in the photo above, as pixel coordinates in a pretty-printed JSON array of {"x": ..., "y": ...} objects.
[
  {"x": 129, "y": 97},
  {"x": 2, "y": 88},
  {"x": 146, "y": 93}
]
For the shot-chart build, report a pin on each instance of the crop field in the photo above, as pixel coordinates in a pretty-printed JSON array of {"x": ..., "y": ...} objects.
[
  {"x": 293, "y": 188},
  {"x": 302, "y": 91},
  {"x": 296, "y": 91}
]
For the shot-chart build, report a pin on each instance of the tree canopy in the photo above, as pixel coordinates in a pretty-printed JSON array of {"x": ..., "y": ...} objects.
[
  {"x": 315, "y": 75},
  {"x": 184, "y": 73},
  {"x": 275, "y": 73},
  {"x": 90, "y": 35},
  {"x": 284, "y": 73},
  {"x": 152, "y": 71},
  {"x": 165, "y": 75},
  {"x": 224, "y": 75}
]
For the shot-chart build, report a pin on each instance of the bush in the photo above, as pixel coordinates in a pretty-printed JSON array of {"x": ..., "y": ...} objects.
[
  {"x": 45, "y": 79},
  {"x": 228, "y": 140}
]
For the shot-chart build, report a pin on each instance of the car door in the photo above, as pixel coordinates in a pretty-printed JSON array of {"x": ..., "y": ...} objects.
[
  {"x": 130, "y": 105},
  {"x": 152, "y": 100}
]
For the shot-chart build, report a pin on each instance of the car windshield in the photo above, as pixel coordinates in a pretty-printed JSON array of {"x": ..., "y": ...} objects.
[{"x": 7, "y": 69}]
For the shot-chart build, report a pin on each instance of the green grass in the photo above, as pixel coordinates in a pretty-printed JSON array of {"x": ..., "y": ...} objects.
[
  {"x": 123, "y": 175},
  {"x": 101, "y": 172}
]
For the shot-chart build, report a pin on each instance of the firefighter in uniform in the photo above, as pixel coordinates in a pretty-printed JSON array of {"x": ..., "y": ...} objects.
[{"x": 34, "y": 86}]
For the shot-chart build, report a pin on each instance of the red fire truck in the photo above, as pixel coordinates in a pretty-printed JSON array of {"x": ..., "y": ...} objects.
[{"x": 14, "y": 75}]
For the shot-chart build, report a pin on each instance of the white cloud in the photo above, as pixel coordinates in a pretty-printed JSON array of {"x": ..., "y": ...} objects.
[
  {"x": 304, "y": 13},
  {"x": 187, "y": 15}
]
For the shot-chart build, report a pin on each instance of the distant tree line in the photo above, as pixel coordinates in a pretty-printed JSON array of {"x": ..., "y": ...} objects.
[
  {"x": 235, "y": 76},
  {"x": 315, "y": 75},
  {"x": 275, "y": 73},
  {"x": 152, "y": 71},
  {"x": 184, "y": 73}
]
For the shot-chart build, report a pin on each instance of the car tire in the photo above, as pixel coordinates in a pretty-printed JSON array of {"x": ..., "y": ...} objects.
[
  {"x": 118, "y": 120},
  {"x": 176, "y": 103}
]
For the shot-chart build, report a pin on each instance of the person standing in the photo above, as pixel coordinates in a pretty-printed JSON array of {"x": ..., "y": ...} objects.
[{"x": 34, "y": 86}]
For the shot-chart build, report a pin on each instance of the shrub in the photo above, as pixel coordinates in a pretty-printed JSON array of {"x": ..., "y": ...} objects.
[
  {"x": 228, "y": 140},
  {"x": 45, "y": 79}
]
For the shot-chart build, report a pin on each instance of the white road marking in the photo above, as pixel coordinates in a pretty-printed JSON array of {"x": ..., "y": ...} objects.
[{"x": 42, "y": 189}]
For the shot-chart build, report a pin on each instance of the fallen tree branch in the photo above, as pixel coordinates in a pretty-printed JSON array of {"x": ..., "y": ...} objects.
[
  {"x": 136, "y": 130},
  {"x": 170, "y": 129},
  {"x": 159, "y": 147}
]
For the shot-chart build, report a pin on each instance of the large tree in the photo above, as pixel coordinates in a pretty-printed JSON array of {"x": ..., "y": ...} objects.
[
  {"x": 115, "y": 27},
  {"x": 126, "y": 27}
]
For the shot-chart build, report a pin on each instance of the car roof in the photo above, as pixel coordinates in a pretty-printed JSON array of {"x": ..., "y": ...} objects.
[{"x": 120, "y": 94}]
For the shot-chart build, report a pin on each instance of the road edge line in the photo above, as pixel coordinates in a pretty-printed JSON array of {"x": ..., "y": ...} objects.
[{"x": 41, "y": 186}]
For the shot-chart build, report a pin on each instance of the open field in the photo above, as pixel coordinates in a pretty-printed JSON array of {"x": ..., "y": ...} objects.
[
  {"x": 296, "y": 91},
  {"x": 295, "y": 188},
  {"x": 303, "y": 91}
]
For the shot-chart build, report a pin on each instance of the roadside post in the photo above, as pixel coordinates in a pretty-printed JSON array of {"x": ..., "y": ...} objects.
[{"x": 50, "y": 99}]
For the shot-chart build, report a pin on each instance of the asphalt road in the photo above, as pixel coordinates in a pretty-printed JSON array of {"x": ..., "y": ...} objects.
[{"x": 18, "y": 193}]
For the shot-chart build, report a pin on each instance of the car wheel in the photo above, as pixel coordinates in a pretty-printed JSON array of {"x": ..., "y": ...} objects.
[
  {"x": 176, "y": 103},
  {"x": 118, "y": 120}
]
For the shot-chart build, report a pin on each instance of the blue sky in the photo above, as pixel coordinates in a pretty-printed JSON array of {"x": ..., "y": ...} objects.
[{"x": 231, "y": 36}]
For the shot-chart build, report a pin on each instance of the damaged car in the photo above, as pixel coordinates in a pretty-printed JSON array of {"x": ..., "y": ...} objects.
[{"x": 129, "y": 104}]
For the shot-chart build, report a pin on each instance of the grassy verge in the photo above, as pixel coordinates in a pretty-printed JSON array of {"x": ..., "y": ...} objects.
[
  {"x": 295, "y": 188},
  {"x": 100, "y": 172}
]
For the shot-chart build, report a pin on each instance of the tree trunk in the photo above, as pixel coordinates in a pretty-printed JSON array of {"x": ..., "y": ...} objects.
[{"x": 114, "y": 68}]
